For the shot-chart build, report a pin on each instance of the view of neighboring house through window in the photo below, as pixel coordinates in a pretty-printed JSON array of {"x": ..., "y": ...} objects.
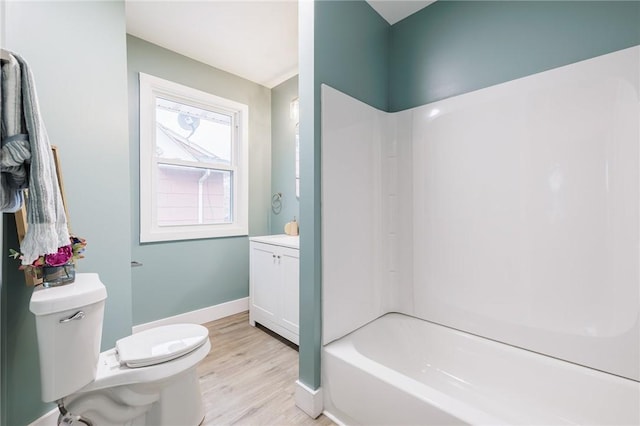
[
  {"x": 193, "y": 195},
  {"x": 193, "y": 161}
]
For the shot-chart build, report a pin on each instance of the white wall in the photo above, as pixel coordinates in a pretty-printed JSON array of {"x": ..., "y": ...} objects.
[{"x": 525, "y": 205}]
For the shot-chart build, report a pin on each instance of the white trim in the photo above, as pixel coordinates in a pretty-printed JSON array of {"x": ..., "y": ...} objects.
[
  {"x": 150, "y": 87},
  {"x": 308, "y": 400},
  {"x": 200, "y": 316},
  {"x": 47, "y": 419},
  {"x": 333, "y": 418}
]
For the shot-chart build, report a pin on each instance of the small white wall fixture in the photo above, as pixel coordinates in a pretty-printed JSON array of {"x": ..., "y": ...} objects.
[{"x": 511, "y": 213}]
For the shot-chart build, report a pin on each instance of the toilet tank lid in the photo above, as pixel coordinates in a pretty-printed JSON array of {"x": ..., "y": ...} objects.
[
  {"x": 86, "y": 290},
  {"x": 160, "y": 344}
]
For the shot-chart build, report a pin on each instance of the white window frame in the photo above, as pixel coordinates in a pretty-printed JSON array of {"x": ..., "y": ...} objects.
[{"x": 152, "y": 87}]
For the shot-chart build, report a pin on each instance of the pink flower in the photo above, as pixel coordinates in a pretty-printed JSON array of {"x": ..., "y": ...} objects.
[{"x": 63, "y": 255}]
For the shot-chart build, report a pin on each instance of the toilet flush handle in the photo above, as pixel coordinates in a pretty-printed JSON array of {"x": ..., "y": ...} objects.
[{"x": 77, "y": 316}]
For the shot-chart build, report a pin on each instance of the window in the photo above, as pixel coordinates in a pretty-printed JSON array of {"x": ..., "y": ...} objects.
[{"x": 193, "y": 163}]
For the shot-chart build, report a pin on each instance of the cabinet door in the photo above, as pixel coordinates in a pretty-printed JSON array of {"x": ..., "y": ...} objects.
[
  {"x": 289, "y": 265},
  {"x": 265, "y": 280}
]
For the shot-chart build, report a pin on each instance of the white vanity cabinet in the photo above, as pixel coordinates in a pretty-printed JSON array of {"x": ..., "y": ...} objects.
[{"x": 274, "y": 284}]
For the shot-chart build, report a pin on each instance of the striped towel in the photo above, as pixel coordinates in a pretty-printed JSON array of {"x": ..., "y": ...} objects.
[
  {"x": 26, "y": 160},
  {"x": 12, "y": 158}
]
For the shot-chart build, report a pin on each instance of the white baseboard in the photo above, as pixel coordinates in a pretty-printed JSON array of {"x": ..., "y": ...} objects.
[
  {"x": 200, "y": 316},
  {"x": 47, "y": 419},
  {"x": 333, "y": 418},
  {"x": 309, "y": 400}
]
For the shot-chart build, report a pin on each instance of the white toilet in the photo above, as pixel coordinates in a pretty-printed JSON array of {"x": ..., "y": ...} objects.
[{"x": 149, "y": 378}]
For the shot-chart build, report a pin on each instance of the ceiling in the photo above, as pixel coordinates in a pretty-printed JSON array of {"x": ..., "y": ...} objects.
[
  {"x": 396, "y": 10},
  {"x": 254, "y": 39}
]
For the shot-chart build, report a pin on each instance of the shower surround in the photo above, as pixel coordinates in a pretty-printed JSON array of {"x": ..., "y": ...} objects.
[{"x": 510, "y": 213}]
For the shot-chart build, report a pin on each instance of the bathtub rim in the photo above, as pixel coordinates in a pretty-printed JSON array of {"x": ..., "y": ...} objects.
[{"x": 469, "y": 414}]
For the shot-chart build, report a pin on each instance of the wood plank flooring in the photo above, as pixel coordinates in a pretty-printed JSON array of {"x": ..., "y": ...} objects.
[{"x": 249, "y": 377}]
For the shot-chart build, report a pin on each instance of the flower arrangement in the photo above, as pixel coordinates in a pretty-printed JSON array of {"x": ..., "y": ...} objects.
[{"x": 64, "y": 256}]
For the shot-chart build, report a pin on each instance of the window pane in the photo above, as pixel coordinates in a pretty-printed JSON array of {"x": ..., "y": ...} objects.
[
  {"x": 185, "y": 132},
  {"x": 193, "y": 196}
]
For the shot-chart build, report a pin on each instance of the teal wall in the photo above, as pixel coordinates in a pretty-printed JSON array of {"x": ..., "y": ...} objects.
[
  {"x": 448, "y": 48},
  {"x": 283, "y": 151},
  {"x": 182, "y": 276},
  {"x": 76, "y": 51},
  {"x": 310, "y": 278},
  {"x": 352, "y": 50},
  {"x": 454, "y": 47},
  {"x": 343, "y": 44}
]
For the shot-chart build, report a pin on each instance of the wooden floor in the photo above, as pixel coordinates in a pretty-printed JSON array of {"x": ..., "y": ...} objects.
[{"x": 249, "y": 377}]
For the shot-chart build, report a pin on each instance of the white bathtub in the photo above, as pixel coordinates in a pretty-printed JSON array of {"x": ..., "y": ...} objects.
[{"x": 400, "y": 370}]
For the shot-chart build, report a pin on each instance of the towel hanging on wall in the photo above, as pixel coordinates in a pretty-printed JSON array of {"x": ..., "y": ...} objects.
[
  {"x": 26, "y": 162},
  {"x": 14, "y": 172}
]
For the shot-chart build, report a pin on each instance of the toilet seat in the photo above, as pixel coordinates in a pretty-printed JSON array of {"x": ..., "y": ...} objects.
[
  {"x": 160, "y": 344},
  {"x": 112, "y": 373}
]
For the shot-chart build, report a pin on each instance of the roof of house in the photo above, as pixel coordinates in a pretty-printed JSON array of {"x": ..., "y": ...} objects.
[{"x": 172, "y": 145}]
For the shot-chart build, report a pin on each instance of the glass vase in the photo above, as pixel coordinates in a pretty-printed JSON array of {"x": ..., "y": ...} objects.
[{"x": 53, "y": 276}]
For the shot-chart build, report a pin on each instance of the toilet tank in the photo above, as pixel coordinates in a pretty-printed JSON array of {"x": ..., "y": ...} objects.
[{"x": 69, "y": 328}]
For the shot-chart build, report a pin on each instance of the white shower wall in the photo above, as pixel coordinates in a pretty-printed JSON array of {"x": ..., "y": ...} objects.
[
  {"x": 526, "y": 204},
  {"x": 366, "y": 213},
  {"x": 352, "y": 249},
  {"x": 511, "y": 212}
]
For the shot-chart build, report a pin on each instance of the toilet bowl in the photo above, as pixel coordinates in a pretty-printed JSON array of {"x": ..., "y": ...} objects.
[{"x": 148, "y": 378}]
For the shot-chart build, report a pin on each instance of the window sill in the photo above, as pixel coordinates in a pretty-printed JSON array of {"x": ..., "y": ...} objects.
[{"x": 193, "y": 233}]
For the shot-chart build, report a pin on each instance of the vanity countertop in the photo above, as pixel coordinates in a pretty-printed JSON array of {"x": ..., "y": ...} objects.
[{"x": 291, "y": 241}]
